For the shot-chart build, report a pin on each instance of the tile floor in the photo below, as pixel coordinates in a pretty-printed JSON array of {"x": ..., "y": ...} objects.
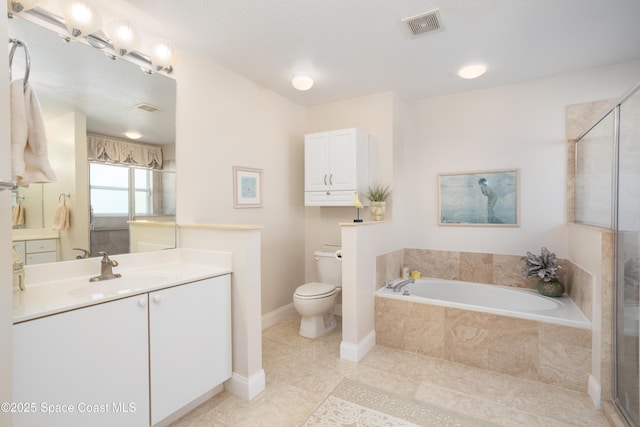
[{"x": 301, "y": 372}]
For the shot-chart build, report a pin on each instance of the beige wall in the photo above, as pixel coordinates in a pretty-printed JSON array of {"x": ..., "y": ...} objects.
[
  {"x": 375, "y": 115},
  {"x": 224, "y": 120},
  {"x": 67, "y": 142},
  {"x": 519, "y": 126}
]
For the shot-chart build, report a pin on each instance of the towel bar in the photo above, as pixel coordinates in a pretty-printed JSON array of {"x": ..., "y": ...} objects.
[{"x": 8, "y": 185}]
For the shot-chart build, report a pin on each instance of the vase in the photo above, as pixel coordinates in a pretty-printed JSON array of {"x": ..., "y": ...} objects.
[
  {"x": 378, "y": 210},
  {"x": 553, "y": 288}
]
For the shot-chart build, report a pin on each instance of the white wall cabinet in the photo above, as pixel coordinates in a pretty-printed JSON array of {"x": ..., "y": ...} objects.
[
  {"x": 336, "y": 165},
  {"x": 130, "y": 362}
]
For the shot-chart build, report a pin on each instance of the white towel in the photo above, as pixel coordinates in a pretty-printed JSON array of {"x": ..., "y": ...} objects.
[
  {"x": 61, "y": 218},
  {"x": 28, "y": 137}
]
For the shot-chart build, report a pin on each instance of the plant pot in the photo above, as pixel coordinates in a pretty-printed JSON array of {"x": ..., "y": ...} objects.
[
  {"x": 553, "y": 288},
  {"x": 378, "y": 210}
]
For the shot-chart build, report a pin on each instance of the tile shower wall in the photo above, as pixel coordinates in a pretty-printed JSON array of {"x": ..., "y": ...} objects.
[
  {"x": 550, "y": 354},
  {"x": 493, "y": 269}
]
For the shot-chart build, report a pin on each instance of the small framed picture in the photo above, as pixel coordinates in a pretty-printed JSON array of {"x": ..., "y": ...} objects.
[
  {"x": 488, "y": 198},
  {"x": 247, "y": 187}
]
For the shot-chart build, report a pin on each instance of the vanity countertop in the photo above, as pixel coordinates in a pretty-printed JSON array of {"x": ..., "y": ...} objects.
[{"x": 53, "y": 288}]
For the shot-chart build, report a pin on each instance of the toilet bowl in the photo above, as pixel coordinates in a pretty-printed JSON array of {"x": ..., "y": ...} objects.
[{"x": 315, "y": 301}]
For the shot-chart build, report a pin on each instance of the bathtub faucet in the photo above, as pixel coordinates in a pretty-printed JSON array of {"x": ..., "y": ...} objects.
[{"x": 402, "y": 286}]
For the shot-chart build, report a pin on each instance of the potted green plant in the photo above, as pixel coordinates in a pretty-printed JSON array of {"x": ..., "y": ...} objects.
[
  {"x": 378, "y": 194},
  {"x": 544, "y": 267}
]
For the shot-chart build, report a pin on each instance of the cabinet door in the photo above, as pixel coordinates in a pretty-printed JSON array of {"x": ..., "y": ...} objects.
[
  {"x": 316, "y": 162},
  {"x": 87, "y": 367},
  {"x": 343, "y": 160},
  {"x": 190, "y": 343}
]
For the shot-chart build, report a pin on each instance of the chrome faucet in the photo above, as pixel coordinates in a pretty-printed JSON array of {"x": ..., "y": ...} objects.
[
  {"x": 402, "y": 286},
  {"x": 106, "y": 269},
  {"x": 85, "y": 253}
]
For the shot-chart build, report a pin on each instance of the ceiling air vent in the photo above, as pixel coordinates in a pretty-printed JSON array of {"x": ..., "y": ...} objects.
[
  {"x": 424, "y": 23},
  {"x": 147, "y": 107}
]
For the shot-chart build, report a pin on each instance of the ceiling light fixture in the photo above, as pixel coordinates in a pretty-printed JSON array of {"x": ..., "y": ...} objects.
[
  {"x": 133, "y": 134},
  {"x": 472, "y": 71},
  {"x": 302, "y": 82}
]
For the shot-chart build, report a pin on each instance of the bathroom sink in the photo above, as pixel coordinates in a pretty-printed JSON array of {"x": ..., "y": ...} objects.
[{"x": 119, "y": 286}]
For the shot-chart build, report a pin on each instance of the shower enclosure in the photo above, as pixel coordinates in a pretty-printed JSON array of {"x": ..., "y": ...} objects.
[{"x": 607, "y": 194}]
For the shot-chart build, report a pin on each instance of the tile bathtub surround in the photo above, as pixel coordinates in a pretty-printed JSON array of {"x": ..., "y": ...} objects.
[
  {"x": 536, "y": 351},
  {"x": 301, "y": 373},
  {"x": 492, "y": 269}
]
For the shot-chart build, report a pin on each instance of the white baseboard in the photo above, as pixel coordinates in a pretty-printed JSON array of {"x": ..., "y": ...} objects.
[
  {"x": 278, "y": 315},
  {"x": 595, "y": 392},
  {"x": 189, "y": 407},
  {"x": 355, "y": 352},
  {"x": 246, "y": 388}
]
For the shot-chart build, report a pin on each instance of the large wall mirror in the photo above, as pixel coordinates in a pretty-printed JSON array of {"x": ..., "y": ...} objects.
[{"x": 86, "y": 94}]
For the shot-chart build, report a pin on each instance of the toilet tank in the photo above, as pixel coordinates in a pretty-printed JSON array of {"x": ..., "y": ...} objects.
[{"x": 328, "y": 266}]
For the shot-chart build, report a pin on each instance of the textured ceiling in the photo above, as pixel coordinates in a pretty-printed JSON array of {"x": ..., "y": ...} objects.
[{"x": 359, "y": 47}]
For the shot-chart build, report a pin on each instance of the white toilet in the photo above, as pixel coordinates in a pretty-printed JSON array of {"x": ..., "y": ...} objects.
[{"x": 315, "y": 300}]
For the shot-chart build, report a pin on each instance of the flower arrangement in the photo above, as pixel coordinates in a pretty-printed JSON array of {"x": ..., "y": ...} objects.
[
  {"x": 544, "y": 266},
  {"x": 378, "y": 192}
]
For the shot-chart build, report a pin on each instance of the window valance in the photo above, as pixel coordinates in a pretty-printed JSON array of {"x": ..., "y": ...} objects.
[{"x": 107, "y": 149}]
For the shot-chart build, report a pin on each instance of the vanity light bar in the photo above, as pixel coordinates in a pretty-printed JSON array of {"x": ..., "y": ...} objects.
[{"x": 97, "y": 40}]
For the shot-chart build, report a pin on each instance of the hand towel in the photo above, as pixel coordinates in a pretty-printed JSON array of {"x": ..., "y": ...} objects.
[
  {"x": 61, "y": 217},
  {"x": 18, "y": 215},
  {"x": 28, "y": 137}
]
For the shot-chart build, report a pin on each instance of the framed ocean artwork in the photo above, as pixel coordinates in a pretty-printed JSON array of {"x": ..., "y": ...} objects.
[{"x": 485, "y": 198}]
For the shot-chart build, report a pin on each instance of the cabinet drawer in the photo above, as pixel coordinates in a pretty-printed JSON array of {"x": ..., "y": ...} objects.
[
  {"x": 328, "y": 198},
  {"x": 40, "y": 258},
  {"x": 46, "y": 245}
]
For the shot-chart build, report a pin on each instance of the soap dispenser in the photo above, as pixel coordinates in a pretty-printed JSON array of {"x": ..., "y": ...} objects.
[{"x": 18, "y": 270}]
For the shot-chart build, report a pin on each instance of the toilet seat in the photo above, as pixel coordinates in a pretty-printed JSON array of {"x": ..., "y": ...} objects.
[{"x": 315, "y": 290}]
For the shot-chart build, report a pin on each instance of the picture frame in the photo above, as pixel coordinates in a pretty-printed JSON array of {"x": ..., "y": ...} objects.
[
  {"x": 482, "y": 198},
  {"x": 247, "y": 187}
]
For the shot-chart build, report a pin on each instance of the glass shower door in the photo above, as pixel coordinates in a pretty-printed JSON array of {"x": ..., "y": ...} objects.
[{"x": 628, "y": 260}]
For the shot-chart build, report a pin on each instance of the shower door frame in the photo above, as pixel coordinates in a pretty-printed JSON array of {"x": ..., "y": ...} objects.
[{"x": 615, "y": 182}]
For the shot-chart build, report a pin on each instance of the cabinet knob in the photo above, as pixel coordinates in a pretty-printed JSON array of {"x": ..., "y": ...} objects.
[
  {"x": 157, "y": 298},
  {"x": 142, "y": 302}
]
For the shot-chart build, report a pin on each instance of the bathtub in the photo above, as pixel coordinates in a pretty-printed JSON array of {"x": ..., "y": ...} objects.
[{"x": 501, "y": 300}]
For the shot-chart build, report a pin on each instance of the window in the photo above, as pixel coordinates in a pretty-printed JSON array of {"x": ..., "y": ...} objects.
[{"x": 120, "y": 190}]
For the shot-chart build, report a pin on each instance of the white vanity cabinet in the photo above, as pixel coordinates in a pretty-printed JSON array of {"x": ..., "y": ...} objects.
[
  {"x": 336, "y": 164},
  {"x": 37, "y": 251},
  {"x": 128, "y": 362},
  {"x": 86, "y": 367},
  {"x": 190, "y": 343}
]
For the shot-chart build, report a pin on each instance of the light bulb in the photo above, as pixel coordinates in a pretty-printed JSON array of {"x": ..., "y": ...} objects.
[
  {"x": 81, "y": 17},
  {"x": 162, "y": 55},
  {"x": 123, "y": 35}
]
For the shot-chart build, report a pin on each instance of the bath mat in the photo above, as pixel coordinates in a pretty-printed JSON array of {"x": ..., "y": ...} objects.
[{"x": 355, "y": 404}]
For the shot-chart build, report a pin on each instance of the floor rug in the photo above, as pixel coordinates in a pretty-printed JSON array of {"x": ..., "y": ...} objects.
[{"x": 355, "y": 404}]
